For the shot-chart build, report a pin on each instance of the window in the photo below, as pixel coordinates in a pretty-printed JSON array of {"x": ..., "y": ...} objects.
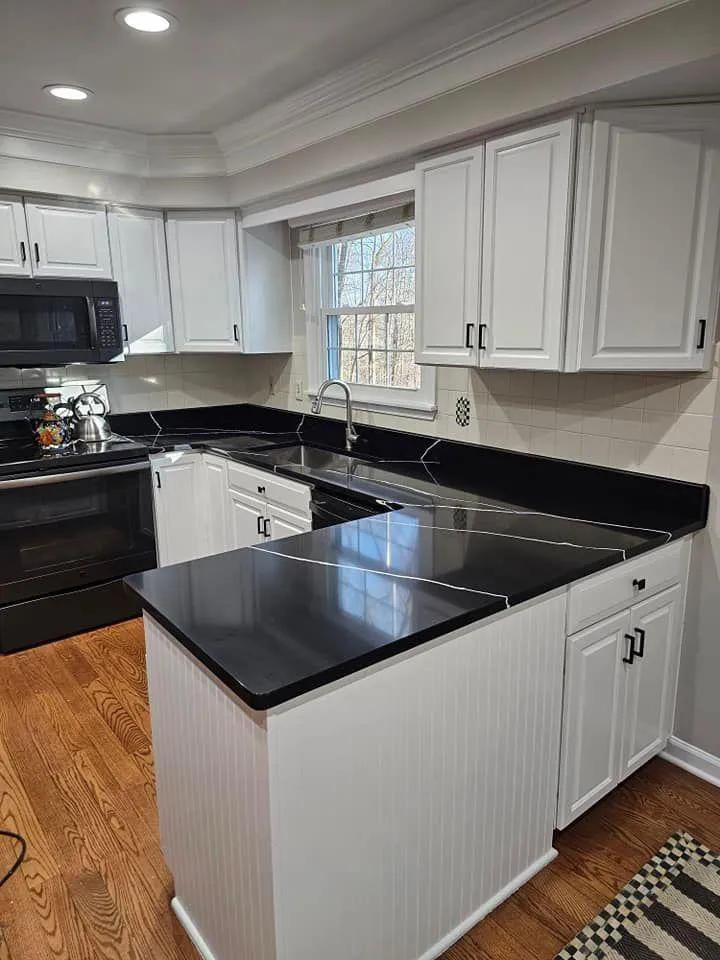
[{"x": 363, "y": 324}]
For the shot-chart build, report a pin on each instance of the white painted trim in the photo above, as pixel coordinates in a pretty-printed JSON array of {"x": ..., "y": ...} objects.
[
  {"x": 191, "y": 930},
  {"x": 699, "y": 762},
  {"x": 462, "y": 928},
  {"x": 335, "y": 200}
]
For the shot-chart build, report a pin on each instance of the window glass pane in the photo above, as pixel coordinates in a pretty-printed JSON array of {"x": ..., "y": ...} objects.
[
  {"x": 404, "y": 372},
  {"x": 401, "y": 331},
  {"x": 379, "y": 288},
  {"x": 404, "y": 247},
  {"x": 349, "y": 290},
  {"x": 363, "y": 367},
  {"x": 404, "y": 291}
]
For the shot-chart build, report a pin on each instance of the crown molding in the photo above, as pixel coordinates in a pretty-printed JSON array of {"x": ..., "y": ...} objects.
[
  {"x": 443, "y": 57},
  {"x": 438, "y": 58}
]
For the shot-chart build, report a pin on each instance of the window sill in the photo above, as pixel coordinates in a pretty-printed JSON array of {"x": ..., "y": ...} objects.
[{"x": 420, "y": 410}]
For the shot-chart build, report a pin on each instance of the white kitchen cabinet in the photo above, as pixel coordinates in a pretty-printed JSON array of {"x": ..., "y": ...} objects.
[
  {"x": 204, "y": 281},
  {"x": 284, "y": 523},
  {"x": 448, "y": 221},
  {"x": 139, "y": 255},
  {"x": 650, "y": 688},
  {"x": 265, "y": 288},
  {"x": 215, "y": 528},
  {"x": 247, "y": 519},
  {"x": 68, "y": 240},
  {"x": 525, "y": 244},
  {"x": 620, "y": 678},
  {"x": 14, "y": 245},
  {"x": 177, "y": 489},
  {"x": 645, "y": 261}
]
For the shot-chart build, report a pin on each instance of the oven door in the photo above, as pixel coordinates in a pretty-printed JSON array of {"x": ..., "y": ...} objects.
[{"x": 61, "y": 531}]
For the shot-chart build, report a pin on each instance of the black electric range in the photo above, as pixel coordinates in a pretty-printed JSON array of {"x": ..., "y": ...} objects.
[{"x": 73, "y": 523}]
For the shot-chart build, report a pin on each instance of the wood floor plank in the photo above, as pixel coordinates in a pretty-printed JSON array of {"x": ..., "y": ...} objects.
[{"x": 77, "y": 779}]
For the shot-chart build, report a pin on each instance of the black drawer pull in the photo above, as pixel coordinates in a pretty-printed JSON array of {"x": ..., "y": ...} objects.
[
  {"x": 37, "y": 253},
  {"x": 266, "y": 526},
  {"x": 469, "y": 328},
  {"x": 261, "y": 489},
  {"x": 639, "y": 584},
  {"x": 701, "y": 338},
  {"x": 23, "y": 255},
  {"x": 641, "y": 637},
  {"x": 261, "y": 531},
  {"x": 631, "y": 648},
  {"x": 158, "y": 481},
  {"x": 483, "y": 328}
]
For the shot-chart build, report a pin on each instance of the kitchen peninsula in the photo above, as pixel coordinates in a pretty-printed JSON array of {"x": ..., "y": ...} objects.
[{"x": 357, "y": 730}]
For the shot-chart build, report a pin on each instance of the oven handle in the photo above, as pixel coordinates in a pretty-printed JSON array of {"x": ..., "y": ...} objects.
[{"x": 45, "y": 479}]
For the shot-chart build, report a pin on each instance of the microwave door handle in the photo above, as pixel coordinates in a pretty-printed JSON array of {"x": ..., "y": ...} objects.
[{"x": 92, "y": 322}]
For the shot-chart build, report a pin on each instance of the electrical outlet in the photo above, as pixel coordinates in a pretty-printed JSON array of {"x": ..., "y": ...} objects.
[{"x": 298, "y": 389}]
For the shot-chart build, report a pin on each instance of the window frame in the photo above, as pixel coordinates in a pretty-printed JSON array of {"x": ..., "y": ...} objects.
[{"x": 318, "y": 273}]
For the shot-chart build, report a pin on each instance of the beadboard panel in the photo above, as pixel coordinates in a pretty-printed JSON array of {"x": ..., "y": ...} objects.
[
  {"x": 404, "y": 802},
  {"x": 212, "y": 785}
]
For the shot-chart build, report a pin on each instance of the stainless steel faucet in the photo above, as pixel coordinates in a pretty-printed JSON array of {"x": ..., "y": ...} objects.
[{"x": 350, "y": 432}]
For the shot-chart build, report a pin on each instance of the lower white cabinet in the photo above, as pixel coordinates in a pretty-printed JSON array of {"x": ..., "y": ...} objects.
[
  {"x": 177, "y": 488},
  {"x": 620, "y": 681},
  {"x": 206, "y": 505}
]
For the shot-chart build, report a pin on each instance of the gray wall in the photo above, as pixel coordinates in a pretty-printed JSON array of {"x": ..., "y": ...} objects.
[{"x": 697, "y": 719}]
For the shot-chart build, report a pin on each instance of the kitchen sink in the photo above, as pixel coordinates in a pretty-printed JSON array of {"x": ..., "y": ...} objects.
[{"x": 309, "y": 457}]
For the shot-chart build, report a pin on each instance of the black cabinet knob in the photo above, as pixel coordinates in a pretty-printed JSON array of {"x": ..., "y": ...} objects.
[{"x": 639, "y": 584}]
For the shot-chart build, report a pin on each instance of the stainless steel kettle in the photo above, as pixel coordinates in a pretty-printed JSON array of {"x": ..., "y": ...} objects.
[{"x": 91, "y": 425}]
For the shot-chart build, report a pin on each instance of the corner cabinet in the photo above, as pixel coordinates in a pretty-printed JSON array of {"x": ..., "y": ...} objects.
[
  {"x": 68, "y": 240},
  {"x": 620, "y": 675},
  {"x": 176, "y": 489},
  {"x": 204, "y": 281},
  {"x": 645, "y": 262},
  {"x": 14, "y": 244},
  {"x": 448, "y": 221},
  {"x": 139, "y": 254},
  {"x": 525, "y": 243}
]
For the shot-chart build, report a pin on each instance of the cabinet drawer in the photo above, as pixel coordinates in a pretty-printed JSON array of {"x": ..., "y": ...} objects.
[
  {"x": 605, "y": 593},
  {"x": 286, "y": 493}
]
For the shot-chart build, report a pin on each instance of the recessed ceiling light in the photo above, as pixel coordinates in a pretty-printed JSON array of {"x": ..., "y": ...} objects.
[
  {"x": 64, "y": 91},
  {"x": 145, "y": 19}
]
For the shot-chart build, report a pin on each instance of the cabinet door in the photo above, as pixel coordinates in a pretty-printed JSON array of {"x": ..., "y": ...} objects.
[
  {"x": 68, "y": 241},
  {"x": 216, "y": 537},
  {"x": 650, "y": 691},
  {"x": 647, "y": 297},
  {"x": 14, "y": 247},
  {"x": 247, "y": 516},
  {"x": 448, "y": 220},
  {"x": 204, "y": 281},
  {"x": 525, "y": 258},
  {"x": 265, "y": 283},
  {"x": 139, "y": 254},
  {"x": 177, "y": 491},
  {"x": 592, "y": 716},
  {"x": 283, "y": 523}
]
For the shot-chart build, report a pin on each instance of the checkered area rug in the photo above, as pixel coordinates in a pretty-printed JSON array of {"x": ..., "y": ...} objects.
[{"x": 670, "y": 910}]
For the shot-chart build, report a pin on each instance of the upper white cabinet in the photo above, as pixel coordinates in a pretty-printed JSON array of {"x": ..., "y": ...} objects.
[
  {"x": 265, "y": 288},
  {"x": 204, "y": 281},
  {"x": 68, "y": 240},
  {"x": 525, "y": 241},
  {"x": 139, "y": 255},
  {"x": 646, "y": 250},
  {"x": 14, "y": 245},
  {"x": 448, "y": 220}
]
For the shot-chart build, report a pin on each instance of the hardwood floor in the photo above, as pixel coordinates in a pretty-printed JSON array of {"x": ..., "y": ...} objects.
[{"x": 76, "y": 779}]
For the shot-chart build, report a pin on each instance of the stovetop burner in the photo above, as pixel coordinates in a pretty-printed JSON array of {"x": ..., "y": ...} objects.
[{"x": 22, "y": 455}]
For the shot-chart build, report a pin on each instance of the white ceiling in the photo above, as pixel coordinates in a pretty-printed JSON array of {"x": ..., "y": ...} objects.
[{"x": 226, "y": 59}]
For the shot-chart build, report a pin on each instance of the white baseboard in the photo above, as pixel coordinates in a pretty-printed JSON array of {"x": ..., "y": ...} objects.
[
  {"x": 192, "y": 931},
  {"x": 522, "y": 878},
  {"x": 693, "y": 759}
]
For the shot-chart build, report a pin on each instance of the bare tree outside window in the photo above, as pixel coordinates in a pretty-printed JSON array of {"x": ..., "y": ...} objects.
[{"x": 371, "y": 317}]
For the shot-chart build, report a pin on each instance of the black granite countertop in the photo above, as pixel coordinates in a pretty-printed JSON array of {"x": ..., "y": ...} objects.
[{"x": 472, "y": 531}]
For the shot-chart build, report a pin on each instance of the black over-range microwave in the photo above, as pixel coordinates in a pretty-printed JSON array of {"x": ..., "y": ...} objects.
[{"x": 46, "y": 323}]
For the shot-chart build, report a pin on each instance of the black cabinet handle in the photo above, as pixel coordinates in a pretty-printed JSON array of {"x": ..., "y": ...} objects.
[
  {"x": 266, "y": 526},
  {"x": 701, "y": 338},
  {"x": 483, "y": 328},
  {"x": 37, "y": 253},
  {"x": 631, "y": 649},
  {"x": 469, "y": 328},
  {"x": 158, "y": 481},
  {"x": 639, "y": 584},
  {"x": 126, "y": 338},
  {"x": 261, "y": 529},
  {"x": 236, "y": 332},
  {"x": 261, "y": 489},
  {"x": 641, "y": 637},
  {"x": 23, "y": 254}
]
